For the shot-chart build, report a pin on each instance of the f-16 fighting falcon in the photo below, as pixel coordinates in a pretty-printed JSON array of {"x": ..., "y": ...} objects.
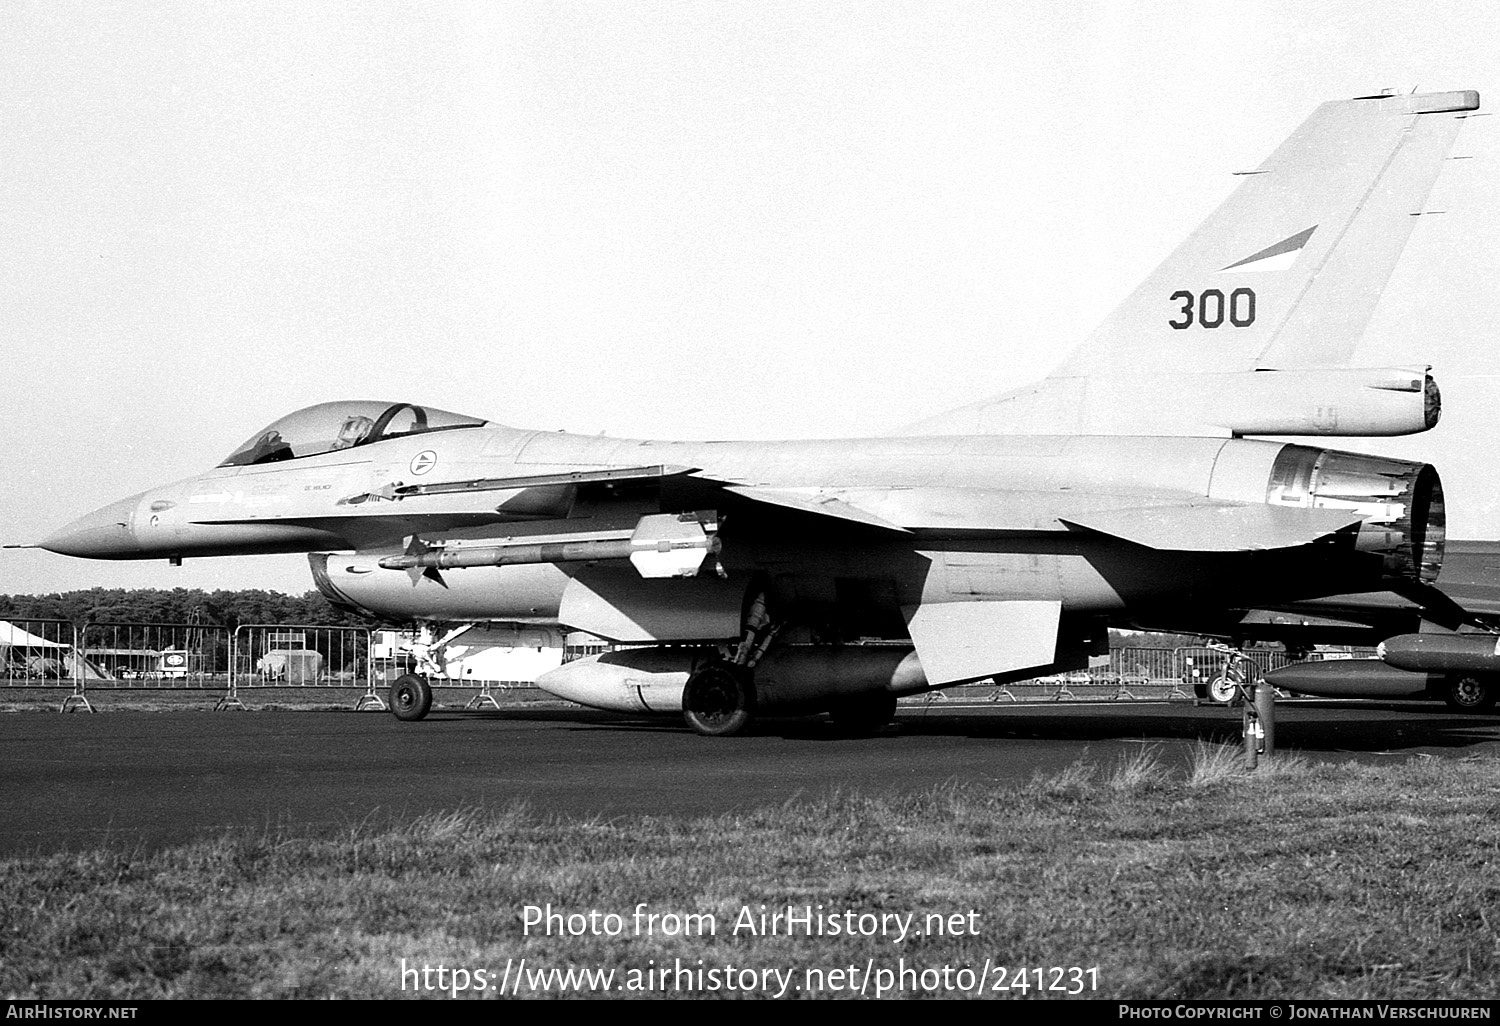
[{"x": 998, "y": 541}]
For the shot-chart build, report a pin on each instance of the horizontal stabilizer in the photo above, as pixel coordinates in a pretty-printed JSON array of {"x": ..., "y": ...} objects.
[
  {"x": 1218, "y": 527},
  {"x": 1437, "y": 606},
  {"x": 814, "y": 502}
]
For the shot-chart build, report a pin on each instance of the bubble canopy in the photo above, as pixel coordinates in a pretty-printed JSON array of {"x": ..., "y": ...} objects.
[{"x": 328, "y": 427}]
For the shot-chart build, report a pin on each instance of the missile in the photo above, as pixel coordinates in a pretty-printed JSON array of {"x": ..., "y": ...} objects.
[
  {"x": 1350, "y": 678},
  {"x": 795, "y": 678},
  {"x": 662, "y": 545},
  {"x": 1442, "y": 653}
]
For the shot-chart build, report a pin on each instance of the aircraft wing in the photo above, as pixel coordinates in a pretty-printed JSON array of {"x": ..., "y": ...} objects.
[
  {"x": 815, "y": 501},
  {"x": 1218, "y": 527},
  {"x": 1170, "y": 524}
]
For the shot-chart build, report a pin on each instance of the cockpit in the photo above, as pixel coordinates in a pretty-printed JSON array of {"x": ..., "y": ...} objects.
[{"x": 329, "y": 427}]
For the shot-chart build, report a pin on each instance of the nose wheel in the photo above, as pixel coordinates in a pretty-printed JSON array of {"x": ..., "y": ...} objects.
[{"x": 411, "y": 697}]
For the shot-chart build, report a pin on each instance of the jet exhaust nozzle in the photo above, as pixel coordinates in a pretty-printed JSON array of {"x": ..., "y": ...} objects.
[{"x": 1402, "y": 502}]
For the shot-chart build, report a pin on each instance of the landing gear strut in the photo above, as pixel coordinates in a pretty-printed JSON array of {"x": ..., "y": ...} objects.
[
  {"x": 411, "y": 694},
  {"x": 719, "y": 699}
]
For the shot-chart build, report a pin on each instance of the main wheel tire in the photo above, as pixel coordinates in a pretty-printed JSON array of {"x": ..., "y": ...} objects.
[
  {"x": 719, "y": 700},
  {"x": 864, "y": 712},
  {"x": 1223, "y": 690},
  {"x": 411, "y": 697},
  {"x": 1469, "y": 692}
]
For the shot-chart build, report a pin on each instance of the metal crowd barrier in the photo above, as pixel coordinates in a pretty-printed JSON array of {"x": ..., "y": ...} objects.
[
  {"x": 158, "y": 656},
  {"x": 44, "y": 653},
  {"x": 40, "y": 653},
  {"x": 1158, "y": 674},
  {"x": 183, "y": 657},
  {"x": 56, "y": 653},
  {"x": 282, "y": 655}
]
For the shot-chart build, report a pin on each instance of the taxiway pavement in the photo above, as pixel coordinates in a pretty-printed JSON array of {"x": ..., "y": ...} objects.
[{"x": 148, "y": 779}]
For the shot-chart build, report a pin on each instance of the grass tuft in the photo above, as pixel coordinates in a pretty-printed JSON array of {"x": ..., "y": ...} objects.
[
  {"x": 1212, "y": 764},
  {"x": 1071, "y": 781},
  {"x": 1139, "y": 772}
]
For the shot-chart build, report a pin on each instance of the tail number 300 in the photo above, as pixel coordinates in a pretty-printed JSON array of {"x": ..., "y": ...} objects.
[{"x": 1212, "y": 308}]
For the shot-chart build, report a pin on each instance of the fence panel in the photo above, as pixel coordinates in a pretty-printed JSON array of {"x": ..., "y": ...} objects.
[
  {"x": 278, "y": 655},
  {"x": 1144, "y": 665},
  {"x": 156, "y": 655},
  {"x": 1132, "y": 673},
  {"x": 39, "y": 653}
]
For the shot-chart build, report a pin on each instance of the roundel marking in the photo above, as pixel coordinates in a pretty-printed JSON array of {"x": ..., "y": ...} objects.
[{"x": 423, "y": 461}]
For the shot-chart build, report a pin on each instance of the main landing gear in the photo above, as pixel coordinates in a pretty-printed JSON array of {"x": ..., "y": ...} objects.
[
  {"x": 1469, "y": 692},
  {"x": 857, "y": 685},
  {"x": 719, "y": 698}
]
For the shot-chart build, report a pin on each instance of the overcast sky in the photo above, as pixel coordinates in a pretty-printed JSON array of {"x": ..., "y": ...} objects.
[{"x": 698, "y": 220}]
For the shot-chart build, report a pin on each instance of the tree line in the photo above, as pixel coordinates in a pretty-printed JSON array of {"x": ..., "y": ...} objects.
[
  {"x": 233, "y": 608},
  {"x": 180, "y": 605}
]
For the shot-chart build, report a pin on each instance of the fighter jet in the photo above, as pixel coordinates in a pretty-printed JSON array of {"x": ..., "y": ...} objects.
[{"x": 999, "y": 542}]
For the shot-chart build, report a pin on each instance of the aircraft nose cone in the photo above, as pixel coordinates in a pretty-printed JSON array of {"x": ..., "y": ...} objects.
[{"x": 102, "y": 534}]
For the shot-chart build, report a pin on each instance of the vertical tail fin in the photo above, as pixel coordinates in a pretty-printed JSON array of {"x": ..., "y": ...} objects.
[
  {"x": 1287, "y": 272},
  {"x": 1284, "y": 275}
]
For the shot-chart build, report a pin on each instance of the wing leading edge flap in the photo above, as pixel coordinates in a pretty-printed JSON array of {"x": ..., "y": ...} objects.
[
  {"x": 963, "y": 641},
  {"x": 1218, "y": 527}
]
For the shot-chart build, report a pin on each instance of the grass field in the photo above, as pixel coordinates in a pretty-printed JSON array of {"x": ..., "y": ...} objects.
[{"x": 1302, "y": 880}]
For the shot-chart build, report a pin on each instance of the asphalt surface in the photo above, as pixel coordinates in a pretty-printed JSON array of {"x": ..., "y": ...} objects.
[{"x": 147, "y": 779}]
